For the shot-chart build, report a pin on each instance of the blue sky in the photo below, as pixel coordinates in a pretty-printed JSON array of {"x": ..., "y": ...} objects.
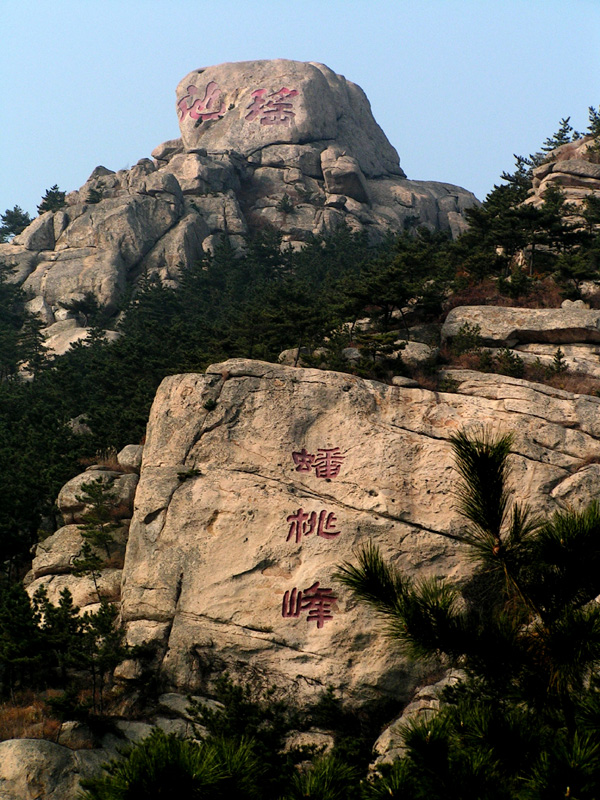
[{"x": 458, "y": 86}]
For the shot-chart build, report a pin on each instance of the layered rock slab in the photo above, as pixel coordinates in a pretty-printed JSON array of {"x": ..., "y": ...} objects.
[
  {"x": 258, "y": 480},
  {"x": 506, "y": 327}
]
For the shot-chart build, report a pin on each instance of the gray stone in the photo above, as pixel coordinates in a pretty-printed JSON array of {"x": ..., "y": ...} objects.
[
  {"x": 60, "y": 327},
  {"x": 79, "y": 425},
  {"x": 72, "y": 508},
  {"x": 292, "y": 358},
  {"x": 390, "y": 744},
  {"x": 166, "y": 150},
  {"x": 574, "y": 304},
  {"x": 415, "y": 354},
  {"x": 509, "y": 326},
  {"x": 39, "y": 235},
  {"x": 134, "y": 731},
  {"x": 343, "y": 175},
  {"x": 130, "y": 457},
  {"x": 35, "y": 769},
  {"x": 82, "y": 588},
  {"x": 351, "y": 354},
  {"x": 60, "y": 342},
  {"x": 54, "y": 555},
  {"x": 578, "y": 166},
  {"x": 61, "y": 314},
  {"x": 179, "y": 704},
  {"x": 252, "y": 133},
  {"x": 407, "y": 383},
  {"x": 254, "y": 104},
  {"x": 76, "y": 736},
  {"x": 40, "y": 308},
  {"x": 323, "y": 741}
]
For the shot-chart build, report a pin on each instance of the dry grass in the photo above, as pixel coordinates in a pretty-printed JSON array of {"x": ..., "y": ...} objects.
[
  {"x": 544, "y": 293},
  {"x": 577, "y": 384},
  {"x": 27, "y": 718},
  {"x": 567, "y": 381},
  {"x": 106, "y": 459}
]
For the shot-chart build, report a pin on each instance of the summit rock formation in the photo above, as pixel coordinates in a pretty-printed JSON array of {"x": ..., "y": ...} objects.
[{"x": 264, "y": 144}]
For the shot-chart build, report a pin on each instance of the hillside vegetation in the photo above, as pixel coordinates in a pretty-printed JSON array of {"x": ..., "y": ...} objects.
[{"x": 338, "y": 293}]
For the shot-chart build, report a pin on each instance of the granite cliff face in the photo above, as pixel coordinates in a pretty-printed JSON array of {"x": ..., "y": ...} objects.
[
  {"x": 258, "y": 479},
  {"x": 279, "y": 144}
]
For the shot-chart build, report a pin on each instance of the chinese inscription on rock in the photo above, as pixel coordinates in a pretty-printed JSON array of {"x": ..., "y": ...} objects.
[
  {"x": 316, "y": 600},
  {"x": 211, "y": 106},
  {"x": 272, "y": 109},
  {"x": 326, "y": 462},
  {"x": 303, "y": 524}
]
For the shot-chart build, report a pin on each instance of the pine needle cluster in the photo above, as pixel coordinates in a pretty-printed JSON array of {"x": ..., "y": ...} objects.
[{"x": 525, "y": 629}]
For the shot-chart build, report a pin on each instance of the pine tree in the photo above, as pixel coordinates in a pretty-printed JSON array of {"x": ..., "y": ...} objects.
[
  {"x": 53, "y": 200},
  {"x": 99, "y": 518},
  {"x": 526, "y": 632},
  {"x": 14, "y": 221},
  {"x": 564, "y": 135}
]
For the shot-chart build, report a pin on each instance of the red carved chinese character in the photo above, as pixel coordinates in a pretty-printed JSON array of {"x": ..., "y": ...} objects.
[
  {"x": 211, "y": 106},
  {"x": 304, "y": 460},
  {"x": 291, "y": 605},
  {"x": 303, "y": 524},
  {"x": 300, "y": 525},
  {"x": 274, "y": 109},
  {"x": 325, "y": 525},
  {"x": 328, "y": 462},
  {"x": 318, "y": 602}
]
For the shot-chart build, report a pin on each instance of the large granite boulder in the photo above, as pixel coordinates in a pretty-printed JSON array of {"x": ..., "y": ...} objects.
[
  {"x": 281, "y": 144},
  {"x": 250, "y": 105},
  {"x": 506, "y": 327},
  {"x": 259, "y": 479},
  {"x": 35, "y": 769}
]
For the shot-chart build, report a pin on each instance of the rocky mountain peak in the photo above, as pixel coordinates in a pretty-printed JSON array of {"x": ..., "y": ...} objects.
[
  {"x": 251, "y": 106},
  {"x": 279, "y": 145}
]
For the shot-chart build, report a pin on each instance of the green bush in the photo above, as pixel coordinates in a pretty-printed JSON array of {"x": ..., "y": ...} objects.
[{"x": 164, "y": 766}]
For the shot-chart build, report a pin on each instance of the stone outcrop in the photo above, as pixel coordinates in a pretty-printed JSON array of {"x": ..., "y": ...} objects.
[
  {"x": 53, "y": 561},
  {"x": 573, "y": 167},
  {"x": 426, "y": 701},
  {"x": 35, "y": 769},
  {"x": 259, "y": 479},
  {"x": 507, "y": 327},
  {"x": 280, "y": 143}
]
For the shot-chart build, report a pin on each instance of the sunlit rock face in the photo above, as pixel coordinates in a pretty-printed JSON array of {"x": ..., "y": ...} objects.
[
  {"x": 280, "y": 144},
  {"x": 573, "y": 168},
  {"x": 253, "y": 105},
  {"x": 258, "y": 480}
]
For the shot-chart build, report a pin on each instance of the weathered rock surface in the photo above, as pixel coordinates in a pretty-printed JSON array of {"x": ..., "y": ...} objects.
[
  {"x": 580, "y": 359},
  {"x": 390, "y": 745},
  {"x": 53, "y": 561},
  {"x": 252, "y": 133},
  {"x": 506, "y": 327},
  {"x": 72, "y": 507},
  {"x": 234, "y": 517},
  {"x": 574, "y": 168},
  {"x": 35, "y": 769}
]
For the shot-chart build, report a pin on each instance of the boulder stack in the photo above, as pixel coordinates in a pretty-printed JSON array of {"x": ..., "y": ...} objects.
[{"x": 264, "y": 144}]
